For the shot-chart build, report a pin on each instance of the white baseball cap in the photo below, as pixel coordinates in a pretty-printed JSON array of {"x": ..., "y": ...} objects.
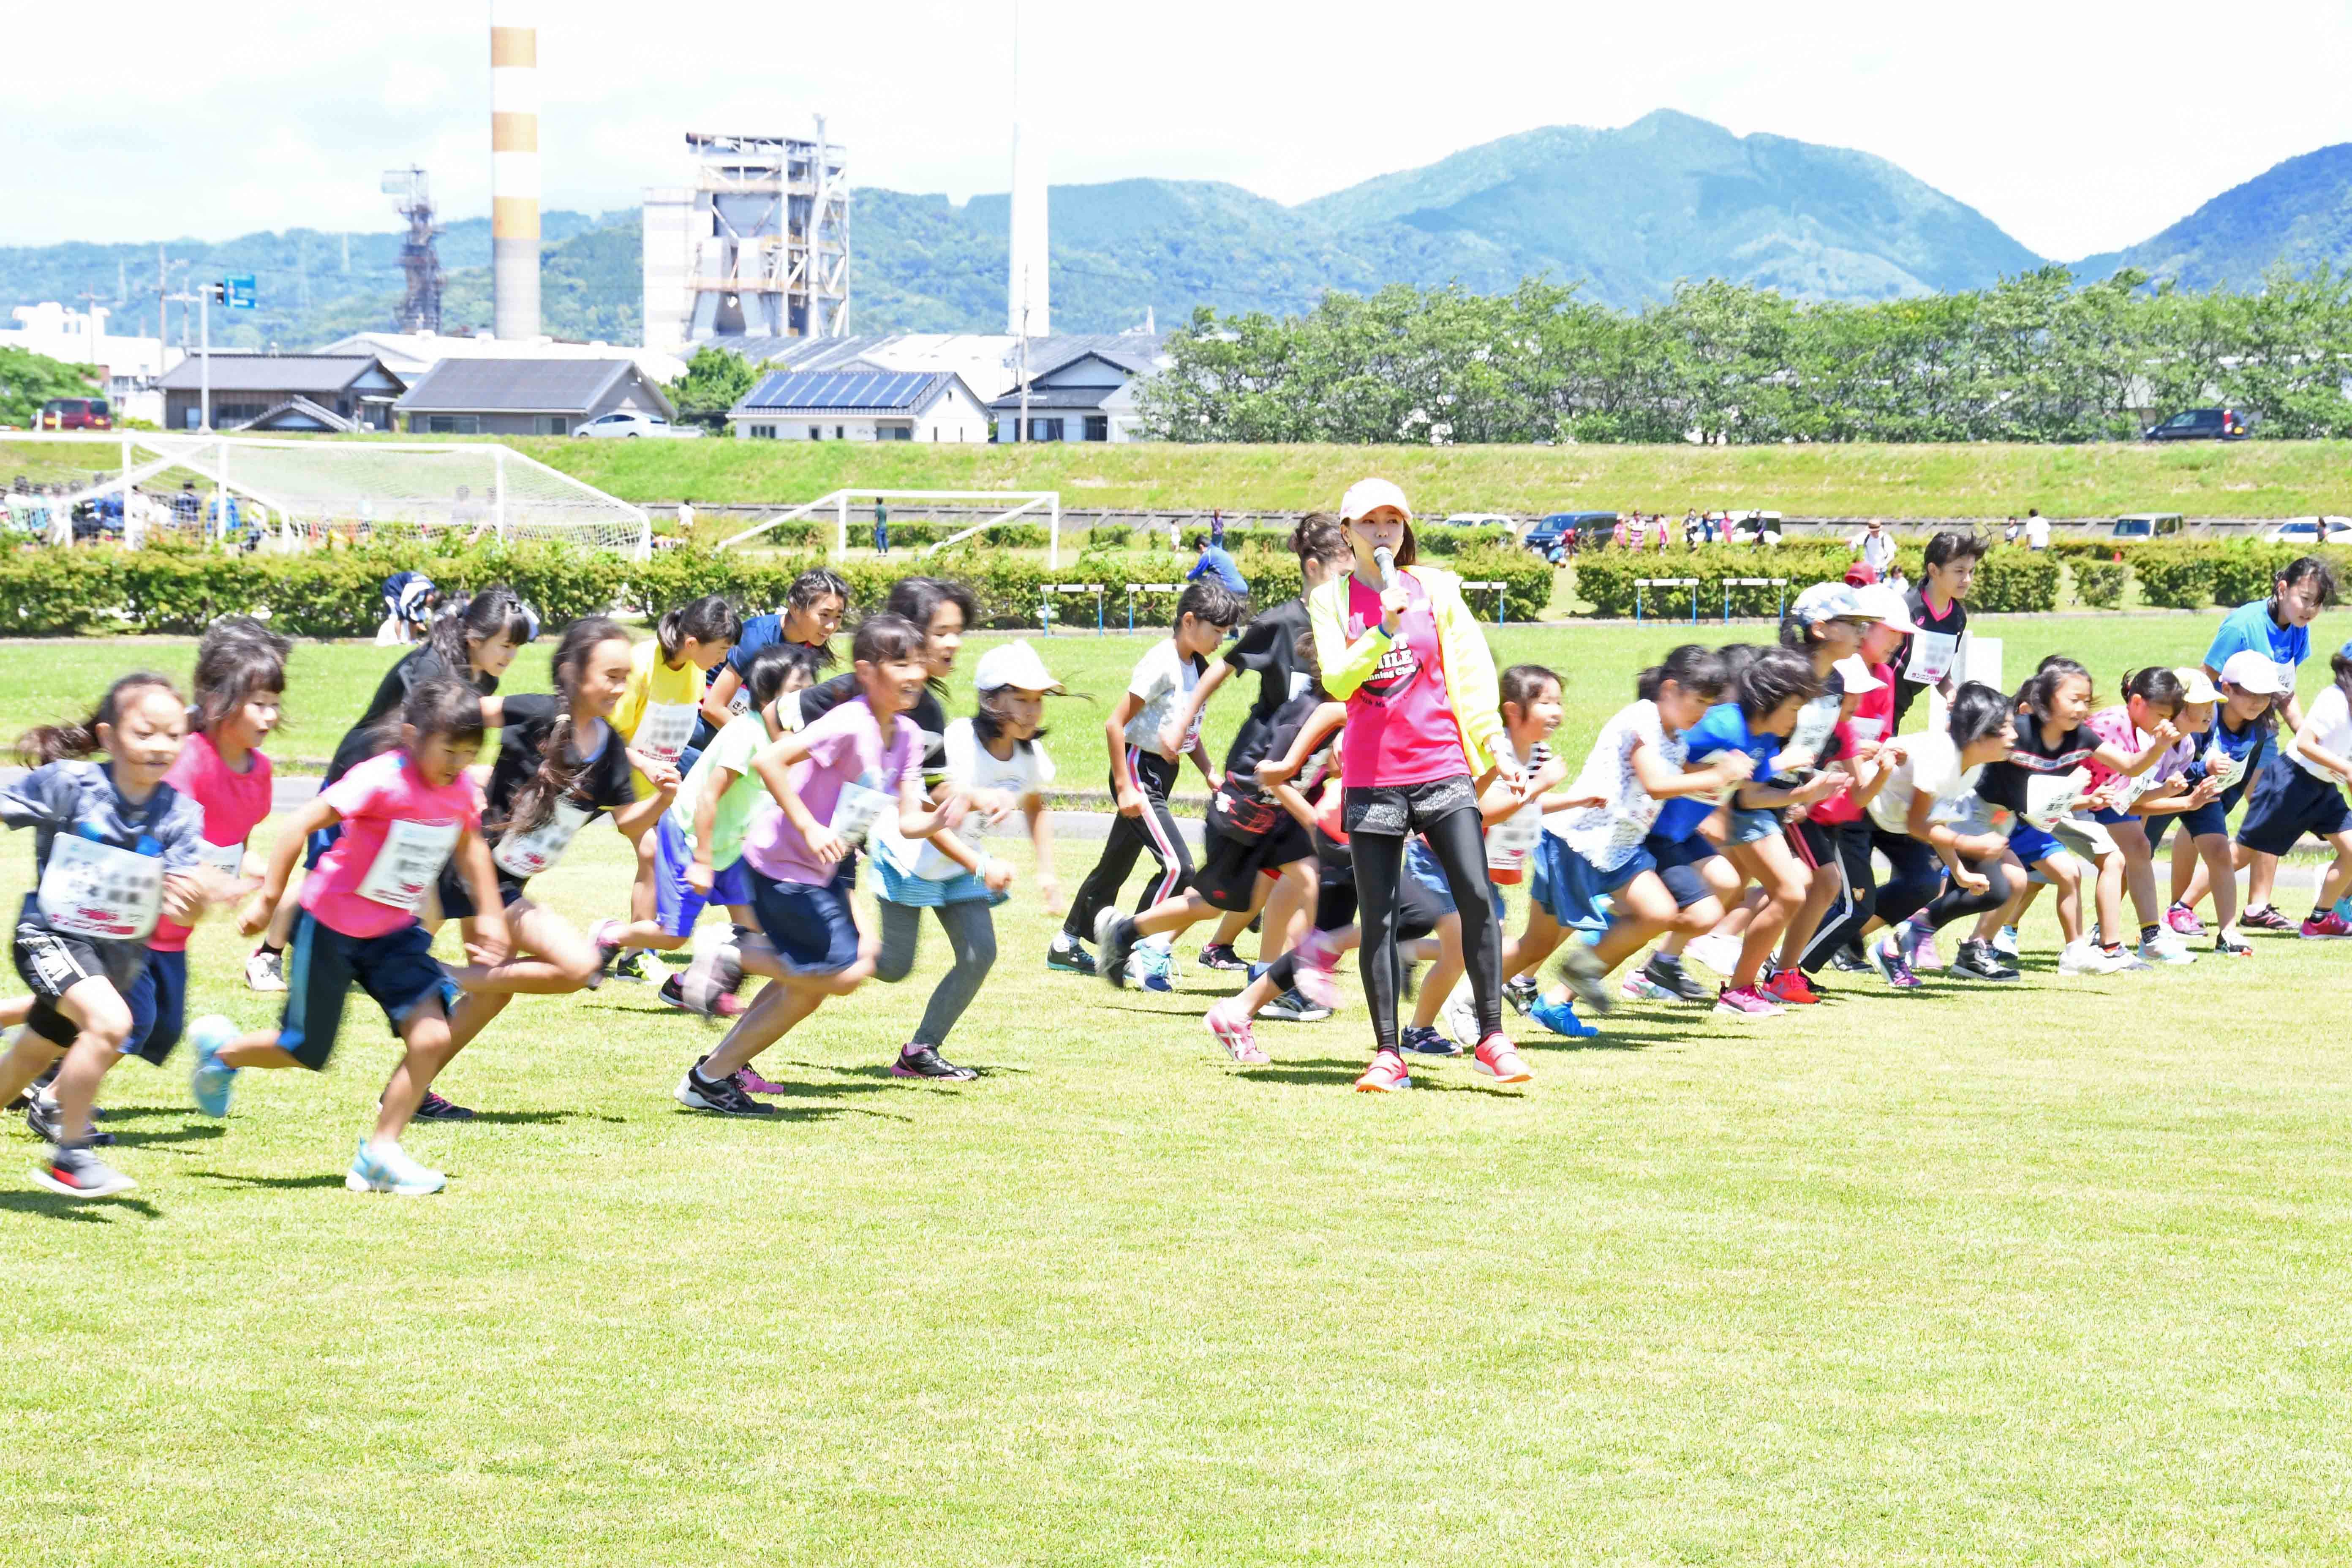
[
  {"x": 1370, "y": 495},
  {"x": 1016, "y": 665},
  {"x": 1827, "y": 602},
  {"x": 2250, "y": 671},
  {"x": 1856, "y": 675},
  {"x": 1884, "y": 602}
]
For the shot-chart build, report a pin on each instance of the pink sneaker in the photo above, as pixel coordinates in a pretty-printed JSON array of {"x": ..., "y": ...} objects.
[
  {"x": 1316, "y": 956},
  {"x": 750, "y": 1082},
  {"x": 2330, "y": 925},
  {"x": 2183, "y": 921},
  {"x": 1232, "y": 1030},
  {"x": 1918, "y": 947},
  {"x": 1386, "y": 1075},
  {"x": 1497, "y": 1061},
  {"x": 1745, "y": 1002}
]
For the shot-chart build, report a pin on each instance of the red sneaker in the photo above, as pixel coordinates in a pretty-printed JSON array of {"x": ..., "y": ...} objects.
[
  {"x": 2330, "y": 925},
  {"x": 1386, "y": 1075},
  {"x": 1790, "y": 986},
  {"x": 1497, "y": 1061}
]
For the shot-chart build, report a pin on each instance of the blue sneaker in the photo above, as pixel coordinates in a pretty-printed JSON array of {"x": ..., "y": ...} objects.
[
  {"x": 2343, "y": 908},
  {"x": 1155, "y": 967},
  {"x": 1560, "y": 1018},
  {"x": 211, "y": 1079},
  {"x": 1424, "y": 1041}
]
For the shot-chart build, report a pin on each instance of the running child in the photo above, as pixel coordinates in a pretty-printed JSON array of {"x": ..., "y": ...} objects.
[
  {"x": 996, "y": 767},
  {"x": 115, "y": 849},
  {"x": 2301, "y": 791},
  {"x": 1836, "y": 831},
  {"x": 829, "y": 780},
  {"x": 2151, "y": 697},
  {"x": 1935, "y": 655},
  {"x": 813, "y": 609},
  {"x": 1142, "y": 774},
  {"x": 2236, "y": 737}
]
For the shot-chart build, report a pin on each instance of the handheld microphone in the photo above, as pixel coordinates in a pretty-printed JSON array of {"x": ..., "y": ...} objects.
[{"x": 1385, "y": 559}]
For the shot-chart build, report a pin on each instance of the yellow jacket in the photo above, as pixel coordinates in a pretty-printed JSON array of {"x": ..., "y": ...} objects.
[{"x": 1462, "y": 646}]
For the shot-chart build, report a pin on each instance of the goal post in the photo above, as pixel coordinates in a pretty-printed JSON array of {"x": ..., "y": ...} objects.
[{"x": 1016, "y": 505}]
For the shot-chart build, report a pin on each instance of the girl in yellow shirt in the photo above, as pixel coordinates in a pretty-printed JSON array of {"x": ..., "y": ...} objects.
[{"x": 657, "y": 718}]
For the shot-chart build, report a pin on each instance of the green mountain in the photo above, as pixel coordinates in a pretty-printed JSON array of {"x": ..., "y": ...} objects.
[{"x": 2298, "y": 213}]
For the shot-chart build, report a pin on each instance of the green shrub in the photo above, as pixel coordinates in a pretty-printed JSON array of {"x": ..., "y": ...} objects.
[
  {"x": 2174, "y": 576},
  {"x": 1605, "y": 578},
  {"x": 1449, "y": 542},
  {"x": 2012, "y": 580},
  {"x": 2100, "y": 582},
  {"x": 1109, "y": 536}
]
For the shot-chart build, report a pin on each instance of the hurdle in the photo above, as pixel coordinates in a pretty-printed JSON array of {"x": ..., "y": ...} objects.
[
  {"x": 1502, "y": 596},
  {"x": 1641, "y": 582},
  {"x": 1046, "y": 603},
  {"x": 1731, "y": 583},
  {"x": 1135, "y": 588}
]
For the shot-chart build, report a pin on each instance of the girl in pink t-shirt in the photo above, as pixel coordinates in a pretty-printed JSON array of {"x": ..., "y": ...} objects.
[{"x": 404, "y": 815}]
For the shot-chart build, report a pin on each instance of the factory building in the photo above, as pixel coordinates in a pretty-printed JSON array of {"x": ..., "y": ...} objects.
[{"x": 757, "y": 247}]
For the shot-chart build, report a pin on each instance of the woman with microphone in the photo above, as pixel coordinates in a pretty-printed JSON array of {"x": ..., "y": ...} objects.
[{"x": 1399, "y": 645}]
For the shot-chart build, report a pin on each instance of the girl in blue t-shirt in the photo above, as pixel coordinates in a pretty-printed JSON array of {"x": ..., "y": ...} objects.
[
  {"x": 2277, "y": 628},
  {"x": 2230, "y": 734}
]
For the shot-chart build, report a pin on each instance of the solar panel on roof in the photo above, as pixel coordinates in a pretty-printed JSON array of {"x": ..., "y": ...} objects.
[{"x": 870, "y": 390}]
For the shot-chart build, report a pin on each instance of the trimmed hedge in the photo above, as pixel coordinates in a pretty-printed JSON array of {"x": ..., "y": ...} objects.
[
  {"x": 2008, "y": 579},
  {"x": 2195, "y": 575},
  {"x": 2100, "y": 584}
]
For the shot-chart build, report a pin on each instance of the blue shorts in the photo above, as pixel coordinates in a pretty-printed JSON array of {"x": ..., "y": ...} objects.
[
  {"x": 396, "y": 970},
  {"x": 1752, "y": 824},
  {"x": 2287, "y": 803},
  {"x": 923, "y": 893},
  {"x": 2213, "y": 818},
  {"x": 158, "y": 1000},
  {"x": 809, "y": 923},
  {"x": 676, "y": 903},
  {"x": 2113, "y": 817},
  {"x": 2030, "y": 844},
  {"x": 1567, "y": 886},
  {"x": 1423, "y": 867},
  {"x": 1677, "y": 861}
]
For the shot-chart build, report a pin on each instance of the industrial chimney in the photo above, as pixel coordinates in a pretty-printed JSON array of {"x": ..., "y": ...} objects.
[
  {"x": 1027, "y": 310},
  {"x": 514, "y": 169}
]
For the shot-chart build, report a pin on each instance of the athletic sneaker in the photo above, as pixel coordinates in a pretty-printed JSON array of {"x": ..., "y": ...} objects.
[
  {"x": 41, "y": 1116},
  {"x": 750, "y": 1082},
  {"x": 1068, "y": 957},
  {"x": 2004, "y": 942},
  {"x": 265, "y": 970},
  {"x": 1639, "y": 988},
  {"x": 1230, "y": 1028},
  {"x": 2266, "y": 917},
  {"x": 1582, "y": 968},
  {"x": 2329, "y": 925},
  {"x": 2165, "y": 948},
  {"x": 2229, "y": 947},
  {"x": 1522, "y": 994},
  {"x": 76, "y": 1172},
  {"x": 1497, "y": 1061},
  {"x": 1918, "y": 944},
  {"x": 1115, "y": 937},
  {"x": 1892, "y": 967},
  {"x": 2343, "y": 908},
  {"x": 391, "y": 1171},
  {"x": 1385, "y": 1075},
  {"x": 211, "y": 1079},
  {"x": 696, "y": 1093},
  {"x": 1459, "y": 1016},
  {"x": 1221, "y": 955},
  {"x": 1313, "y": 975},
  {"x": 601, "y": 936},
  {"x": 1850, "y": 960},
  {"x": 1422, "y": 1040},
  {"x": 1745, "y": 1002},
  {"x": 1981, "y": 961},
  {"x": 631, "y": 965},
  {"x": 1153, "y": 967},
  {"x": 1790, "y": 986},
  {"x": 2183, "y": 921},
  {"x": 1290, "y": 1007},
  {"x": 433, "y": 1108},
  {"x": 1720, "y": 954},
  {"x": 1560, "y": 1018},
  {"x": 925, "y": 1061},
  {"x": 1667, "y": 972},
  {"x": 679, "y": 991},
  {"x": 2124, "y": 955},
  {"x": 2080, "y": 957}
]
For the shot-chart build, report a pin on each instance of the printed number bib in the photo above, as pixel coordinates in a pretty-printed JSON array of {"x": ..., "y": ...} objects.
[
  {"x": 526, "y": 855},
  {"x": 98, "y": 890},
  {"x": 853, "y": 813},
  {"x": 1509, "y": 841},
  {"x": 1931, "y": 657},
  {"x": 665, "y": 729},
  {"x": 409, "y": 862},
  {"x": 228, "y": 860},
  {"x": 1815, "y": 719},
  {"x": 2219, "y": 764},
  {"x": 2049, "y": 796}
]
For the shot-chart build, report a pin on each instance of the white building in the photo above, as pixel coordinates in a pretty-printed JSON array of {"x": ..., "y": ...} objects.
[
  {"x": 409, "y": 355},
  {"x": 860, "y": 405},
  {"x": 131, "y": 365},
  {"x": 1089, "y": 396}
]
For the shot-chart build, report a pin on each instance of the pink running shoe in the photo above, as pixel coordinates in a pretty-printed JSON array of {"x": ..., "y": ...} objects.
[
  {"x": 1316, "y": 957},
  {"x": 1745, "y": 1002},
  {"x": 1232, "y": 1030},
  {"x": 1918, "y": 945},
  {"x": 1386, "y": 1075},
  {"x": 2330, "y": 925},
  {"x": 2183, "y": 921},
  {"x": 1497, "y": 1061},
  {"x": 750, "y": 1082}
]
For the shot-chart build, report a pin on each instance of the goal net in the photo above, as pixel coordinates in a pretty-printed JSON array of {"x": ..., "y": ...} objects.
[{"x": 301, "y": 493}]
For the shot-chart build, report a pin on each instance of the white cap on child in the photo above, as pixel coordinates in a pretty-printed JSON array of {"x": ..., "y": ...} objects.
[{"x": 1016, "y": 665}]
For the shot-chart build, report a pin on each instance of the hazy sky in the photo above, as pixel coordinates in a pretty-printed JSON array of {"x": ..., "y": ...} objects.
[{"x": 2078, "y": 127}]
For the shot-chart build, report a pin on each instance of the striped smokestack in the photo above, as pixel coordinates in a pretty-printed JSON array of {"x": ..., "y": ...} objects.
[{"x": 514, "y": 169}]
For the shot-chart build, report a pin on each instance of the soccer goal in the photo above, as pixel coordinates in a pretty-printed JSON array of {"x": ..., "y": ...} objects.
[
  {"x": 304, "y": 492},
  {"x": 1043, "y": 506}
]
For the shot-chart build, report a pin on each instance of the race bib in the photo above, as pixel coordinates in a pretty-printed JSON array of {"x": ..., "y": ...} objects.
[
  {"x": 1815, "y": 719},
  {"x": 665, "y": 729},
  {"x": 1866, "y": 730},
  {"x": 98, "y": 890},
  {"x": 526, "y": 855},
  {"x": 2219, "y": 764},
  {"x": 227, "y": 859},
  {"x": 2049, "y": 796},
  {"x": 1931, "y": 657},
  {"x": 853, "y": 813},
  {"x": 409, "y": 862}
]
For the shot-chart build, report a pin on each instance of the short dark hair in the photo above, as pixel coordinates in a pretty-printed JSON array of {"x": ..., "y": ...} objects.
[
  {"x": 1952, "y": 544},
  {"x": 772, "y": 668},
  {"x": 1773, "y": 676},
  {"x": 885, "y": 637},
  {"x": 1977, "y": 712},
  {"x": 1209, "y": 602}
]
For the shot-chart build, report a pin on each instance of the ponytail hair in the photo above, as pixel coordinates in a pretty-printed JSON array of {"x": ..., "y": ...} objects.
[
  {"x": 2155, "y": 684},
  {"x": 534, "y": 801},
  {"x": 497, "y": 611},
  {"x": 708, "y": 620},
  {"x": 237, "y": 658},
  {"x": 59, "y": 743},
  {"x": 1697, "y": 669}
]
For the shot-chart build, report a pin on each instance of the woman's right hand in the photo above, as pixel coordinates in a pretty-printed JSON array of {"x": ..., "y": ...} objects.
[{"x": 1392, "y": 608}]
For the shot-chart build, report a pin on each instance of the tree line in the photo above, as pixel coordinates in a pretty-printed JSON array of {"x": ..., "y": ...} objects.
[{"x": 2035, "y": 358}]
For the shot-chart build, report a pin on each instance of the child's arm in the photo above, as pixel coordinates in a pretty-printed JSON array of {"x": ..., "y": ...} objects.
[
  {"x": 1327, "y": 717},
  {"x": 1126, "y": 793},
  {"x": 642, "y": 812},
  {"x": 914, "y": 822},
  {"x": 1293, "y": 802},
  {"x": 699, "y": 875},
  {"x": 2114, "y": 758},
  {"x": 492, "y": 942},
  {"x": 1209, "y": 774},
  {"x": 1661, "y": 781},
  {"x": 719, "y": 697},
  {"x": 1041, "y": 841},
  {"x": 1883, "y": 764},
  {"x": 1760, "y": 798},
  {"x": 1188, "y": 707},
  {"x": 1947, "y": 844},
  {"x": 2311, "y": 749},
  {"x": 291, "y": 838}
]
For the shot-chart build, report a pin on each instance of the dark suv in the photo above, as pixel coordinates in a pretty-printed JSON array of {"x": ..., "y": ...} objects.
[
  {"x": 1543, "y": 536},
  {"x": 2200, "y": 424}
]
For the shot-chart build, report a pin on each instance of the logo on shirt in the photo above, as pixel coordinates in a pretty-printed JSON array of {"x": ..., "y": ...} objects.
[{"x": 1398, "y": 668}]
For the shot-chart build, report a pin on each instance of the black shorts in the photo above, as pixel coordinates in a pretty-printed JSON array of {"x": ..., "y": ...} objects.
[
  {"x": 2287, "y": 803},
  {"x": 1678, "y": 862},
  {"x": 1393, "y": 811},
  {"x": 457, "y": 900},
  {"x": 1231, "y": 866},
  {"x": 1417, "y": 913},
  {"x": 53, "y": 962},
  {"x": 397, "y": 970}
]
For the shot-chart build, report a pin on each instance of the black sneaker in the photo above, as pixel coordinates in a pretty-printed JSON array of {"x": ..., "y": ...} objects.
[
  {"x": 1221, "y": 955},
  {"x": 923, "y": 1062},
  {"x": 1290, "y": 1007},
  {"x": 725, "y": 1096},
  {"x": 42, "y": 1117},
  {"x": 1978, "y": 961},
  {"x": 74, "y": 1172},
  {"x": 630, "y": 966},
  {"x": 433, "y": 1108},
  {"x": 2266, "y": 917},
  {"x": 1522, "y": 992},
  {"x": 1422, "y": 1040},
  {"x": 1668, "y": 974},
  {"x": 1849, "y": 959},
  {"x": 1068, "y": 958},
  {"x": 1115, "y": 937}
]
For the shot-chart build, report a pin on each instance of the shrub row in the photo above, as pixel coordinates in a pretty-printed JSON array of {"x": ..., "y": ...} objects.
[
  {"x": 2008, "y": 579},
  {"x": 2192, "y": 576}
]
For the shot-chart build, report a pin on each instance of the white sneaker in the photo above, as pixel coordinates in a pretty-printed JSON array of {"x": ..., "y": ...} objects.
[
  {"x": 2166, "y": 949},
  {"x": 1459, "y": 1017},
  {"x": 2084, "y": 957},
  {"x": 265, "y": 970},
  {"x": 1720, "y": 954},
  {"x": 391, "y": 1170},
  {"x": 2004, "y": 942}
]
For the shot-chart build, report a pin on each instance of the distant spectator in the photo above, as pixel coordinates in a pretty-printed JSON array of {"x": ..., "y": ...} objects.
[
  {"x": 1617, "y": 534},
  {"x": 1217, "y": 528},
  {"x": 685, "y": 518},
  {"x": 186, "y": 508},
  {"x": 2037, "y": 528},
  {"x": 410, "y": 599},
  {"x": 1662, "y": 533},
  {"x": 1874, "y": 544},
  {"x": 881, "y": 529},
  {"x": 1175, "y": 536},
  {"x": 1215, "y": 563},
  {"x": 2009, "y": 535}
]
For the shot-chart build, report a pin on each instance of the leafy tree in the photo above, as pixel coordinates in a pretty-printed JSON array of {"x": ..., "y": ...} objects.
[
  {"x": 714, "y": 381},
  {"x": 27, "y": 380}
]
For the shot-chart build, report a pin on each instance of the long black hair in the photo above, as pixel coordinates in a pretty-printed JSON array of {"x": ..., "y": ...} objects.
[
  {"x": 558, "y": 771},
  {"x": 705, "y": 620},
  {"x": 497, "y": 611},
  {"x": 55, "y": 742},
  {"x": 1696, "y": 668}
]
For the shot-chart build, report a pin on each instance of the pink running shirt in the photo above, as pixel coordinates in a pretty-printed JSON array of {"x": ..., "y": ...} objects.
[
  {"x": 234, "y": 804},
  {"x": 1401, "y": 724},
  {"x": 382, "y": 800}
]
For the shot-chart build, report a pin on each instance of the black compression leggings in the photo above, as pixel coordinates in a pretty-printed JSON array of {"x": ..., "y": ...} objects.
[
  {"x": 1917, "y": 875},
  {"x": 1461, "y": 851}
]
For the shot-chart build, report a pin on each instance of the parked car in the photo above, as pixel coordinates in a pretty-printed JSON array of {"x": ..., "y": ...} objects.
[
  {"x": 2144, "y": 525},
  {"x": 76, "y": 414},
  {"x": 2310, "y": 531},
  {"x": 1744, "y": 525},
  {"x": 1481, "y": 519},
  {"x": 1544, "y": 536},
  {"x": 628, "y": 422},
  {"x": 2200, "y": 424}
]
